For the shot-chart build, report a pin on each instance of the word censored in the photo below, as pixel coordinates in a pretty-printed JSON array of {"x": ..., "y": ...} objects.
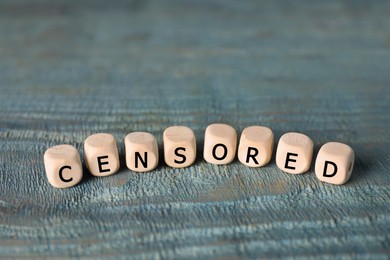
[{"x": 334, "y": 162}]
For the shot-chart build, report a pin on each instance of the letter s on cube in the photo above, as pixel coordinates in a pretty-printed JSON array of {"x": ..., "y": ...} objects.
[
  {"x": 334, "y": 163},
  {"x": 63, "y": 166},
  {"x": 179, "y": 146}
]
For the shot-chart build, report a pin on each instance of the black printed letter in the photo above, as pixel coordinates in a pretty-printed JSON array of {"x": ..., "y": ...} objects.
[
  {"x": 62, "y": 177},
  {"x": 100, "y": 163},
  {"x": 180, "y": 155},
  {"x": 144, "y": 162},
  {"x": 290, "y": 160},
  {"x": 224, "y": 152},
  {"x": 326, "y": 168},
  {"x": 253, "y": 156}
]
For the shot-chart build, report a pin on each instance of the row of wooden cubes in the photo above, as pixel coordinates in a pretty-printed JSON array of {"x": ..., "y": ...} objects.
[{"x": 334, "y": 162}]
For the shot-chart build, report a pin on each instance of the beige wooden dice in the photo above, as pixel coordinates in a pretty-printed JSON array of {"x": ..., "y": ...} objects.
[
  {"x": 220, "y": 144},
  {"x": 101, "y": 154},
  {"x": 179, "y": 146},
  {"x": 141, "y": 151},
  {"x": 334, "y": 163},
  {"x": 256, "y": 145},
  {"x": 294, "y": 153},
  {"x": 63, "y": 166}
]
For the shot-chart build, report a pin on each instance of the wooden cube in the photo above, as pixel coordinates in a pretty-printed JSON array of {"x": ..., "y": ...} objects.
[
  {"x": 334, "y": 163},
  {"x": 294, "y": 153},
  {"x": 179, "y": 146},
  {"x": 256, "y": 145},
  {"x": 220, "y": 144},
  {"x": 141, "y": 151},
  {"x": 101, "y": 154},
  {"x": 63, "y": 166}
]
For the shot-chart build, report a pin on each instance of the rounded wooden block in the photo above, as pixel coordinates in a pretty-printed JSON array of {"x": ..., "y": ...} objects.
[
  {"x": 141, "y": 151},
  {"x": 294, "y": 153},
  {"x": 179, "y": 146},
  {"x": 220, "y": 144},
  {"x": 334, "y": 163},
  {"x": 63, "y": 166},
  {"x": 101, "y": 154},
  {"x": 256, "y": 145}
]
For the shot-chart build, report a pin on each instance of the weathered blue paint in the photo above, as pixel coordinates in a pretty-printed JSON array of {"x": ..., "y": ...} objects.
[{"x": 69, "y": 69}]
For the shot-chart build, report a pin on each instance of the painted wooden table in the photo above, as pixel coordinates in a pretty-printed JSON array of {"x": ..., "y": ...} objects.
[{"x": 69, "y": 69}]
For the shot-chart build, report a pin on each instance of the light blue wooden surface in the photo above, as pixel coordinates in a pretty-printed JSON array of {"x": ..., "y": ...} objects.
[{"x": 69, "y": 69}]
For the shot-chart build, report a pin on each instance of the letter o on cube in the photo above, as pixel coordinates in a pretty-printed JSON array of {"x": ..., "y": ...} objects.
[
  {"x": 334, "y": 163},
  {"x": 256, "y": 144},
  {"x": 294, "y": 153},
  {"x": 63, "y": 166},
  {"x": 141, "y": 151},
  {"x": 101, "y": 154},
  {"x": 220, "y": 144},
  {"x": 179, "y": 146}
]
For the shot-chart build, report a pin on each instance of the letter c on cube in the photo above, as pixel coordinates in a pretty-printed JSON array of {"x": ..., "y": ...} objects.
[{"x": 63, "y": 166}]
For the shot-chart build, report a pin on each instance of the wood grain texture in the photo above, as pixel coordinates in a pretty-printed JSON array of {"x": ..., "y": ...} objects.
[{"x": 69, "y": 69}]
